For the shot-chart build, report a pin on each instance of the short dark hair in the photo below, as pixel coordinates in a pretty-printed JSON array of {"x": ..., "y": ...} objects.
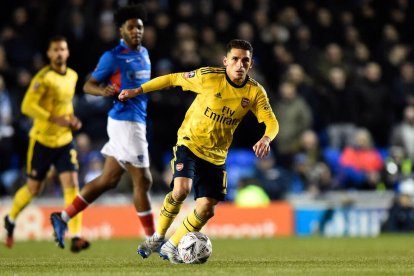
[
  {"x": 57, "y": 38},
  {"x": 130, "y": 12},
  {"x": 239, "y": 44}
]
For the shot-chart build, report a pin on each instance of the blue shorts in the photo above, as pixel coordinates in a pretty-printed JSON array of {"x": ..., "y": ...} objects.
[
  {"x": 209, "y": 180},
  {"x": 40, "y": 158}
]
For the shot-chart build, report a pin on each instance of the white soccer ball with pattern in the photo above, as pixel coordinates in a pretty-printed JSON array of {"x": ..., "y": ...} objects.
[{"x": 195, "y": 248}]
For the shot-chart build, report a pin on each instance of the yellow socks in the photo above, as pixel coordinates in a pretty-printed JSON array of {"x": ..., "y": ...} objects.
[
  {"x": 169, "y": 211},
  {"x": 75, "y": 224},
  {"x": 21, "y": 199},
  {"x": 192, "y": 223}
]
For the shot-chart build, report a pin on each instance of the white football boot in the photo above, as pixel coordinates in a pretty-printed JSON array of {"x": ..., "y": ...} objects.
[
  {"x": 169, "y": 252},
  {"x": 150, "y": 245}
]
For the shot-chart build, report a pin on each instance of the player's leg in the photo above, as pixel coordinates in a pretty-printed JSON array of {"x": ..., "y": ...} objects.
[
  {"x": 169, "y": 210},
  {"x": 182, "y": 187},
  {"x": 210, "y": 187},
  {"x": 196, "y": 219},
  {"x": 67, "y": 166},
  {"x": 183, "y": 171},
  {"x": 142, "y": 182},
  {"x": 70, "y": 187},
  {"x": 38, "y": 162},
  {"x": 21, "y": 199},
  {"x": 109, "y": 179}
]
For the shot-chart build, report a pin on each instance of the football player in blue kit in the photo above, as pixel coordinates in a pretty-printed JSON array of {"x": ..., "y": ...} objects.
[{"x": 125, "y": 66}]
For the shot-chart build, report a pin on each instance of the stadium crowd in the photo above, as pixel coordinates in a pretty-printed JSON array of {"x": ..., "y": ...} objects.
[{"x": 339, "y": 74}]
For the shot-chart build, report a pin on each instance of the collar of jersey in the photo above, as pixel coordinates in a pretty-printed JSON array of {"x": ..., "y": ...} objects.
[{"x": 235, "y": 85}]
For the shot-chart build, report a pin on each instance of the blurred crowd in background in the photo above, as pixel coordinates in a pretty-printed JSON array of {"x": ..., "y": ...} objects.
[{"x": 339, "y": 74}]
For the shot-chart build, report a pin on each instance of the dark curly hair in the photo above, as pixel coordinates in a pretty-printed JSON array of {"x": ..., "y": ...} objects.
[{"x": 130, "y": 12}]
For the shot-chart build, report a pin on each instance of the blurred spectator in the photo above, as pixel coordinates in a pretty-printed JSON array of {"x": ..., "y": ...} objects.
[
  {"x": 396, "y": 56},
  {"x": 311, "y": 166},
  {"x": 404, "y": 86},
  {"x": 275, "y": 180},
  {"x": 372, "y": 104},
  {"x": 398, "y": 168},
  {"x": 403, "y": 134},
  {"x": 304, "y": 87},
  {"x": 210, "y": 49},
  {"x": 86, "y": 157},
  {"x": 332, "y": 57},
  {"x": 304, "y": 51},
  {"x": 359, "y": 59},
  {"x": 6, "y": 135},
  {"x": 250, "y": 195},
  {"x": 400, "y": 215},
  {"x": 5, "y": 69},
  {"x": 280, "y": 60},
  {"x": 106, "y": 39},
  {"x": 295, "y": 116},
  {"x": 18, "y": 39},
  {"x": 325, "y": 31},
  {"x": 390, "y": 37},
  {"x": 336, "y": 108},
  {"x": 360, "y": 163}
]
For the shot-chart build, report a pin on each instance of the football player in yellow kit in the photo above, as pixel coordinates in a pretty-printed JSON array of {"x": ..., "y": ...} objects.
[
  {"x": 48, "y": 101},
  {"x": 224, "y": 96}
]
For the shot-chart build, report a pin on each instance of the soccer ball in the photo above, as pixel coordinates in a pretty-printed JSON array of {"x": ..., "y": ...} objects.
[{"x": 195, "y": 248}]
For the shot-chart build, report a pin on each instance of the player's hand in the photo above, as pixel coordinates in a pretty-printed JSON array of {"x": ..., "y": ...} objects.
[
  {"x": 70, "y": 121},
  {"x": 63, "y": 121},
  {"x": 110, "y": 90},
  {"x": 75, "y": 123},
  {"x": 129, "y": 93},
  {"x": 262, "y": 147}
]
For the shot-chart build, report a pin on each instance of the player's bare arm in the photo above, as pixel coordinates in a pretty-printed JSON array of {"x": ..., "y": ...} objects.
[
  {"x": 262, "y": 147},
  {"x": 93, "y": 87},
  {"x": 129, "y": 93}
]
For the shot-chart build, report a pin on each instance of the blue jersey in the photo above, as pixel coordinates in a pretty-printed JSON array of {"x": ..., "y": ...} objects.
[{"x": 126, "y": 68}]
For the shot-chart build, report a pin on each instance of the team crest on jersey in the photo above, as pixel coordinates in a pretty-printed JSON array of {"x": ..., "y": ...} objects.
[
  {"x": 188, "y": 75},
  {"x": 245, "y": 102},
  {"x": 179, "y": 167},
  {"x": 140, "y": 158}
]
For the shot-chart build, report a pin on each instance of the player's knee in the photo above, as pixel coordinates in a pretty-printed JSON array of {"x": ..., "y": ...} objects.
[
  {"x": 144, "y": 183},
  {"x": 109, "y": 181},
  {"x": 180, "y": 193},
  {"x": 207, "y": 213},
  {"x": 34, "y": 187},
  {"x": 34, "y": 190}
]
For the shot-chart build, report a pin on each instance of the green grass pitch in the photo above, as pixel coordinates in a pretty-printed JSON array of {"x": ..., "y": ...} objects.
[{"x": 385, "y": 255}]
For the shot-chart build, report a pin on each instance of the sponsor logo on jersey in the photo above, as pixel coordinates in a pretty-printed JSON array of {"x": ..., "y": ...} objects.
[
  {"x": 129, "y": 60},
  {"x": 179, "y": 167},
  {"x": 225, "y": 118},
  {"x": 142, "y": 74},
  {"x": 245, "y": 102},
  {"x": 188, "y": 75},
  {"x": 218, "y": 95}
]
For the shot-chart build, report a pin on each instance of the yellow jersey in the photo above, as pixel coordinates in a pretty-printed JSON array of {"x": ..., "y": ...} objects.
[
  {"x": 217, "y": 110},
  {"x": 50, "y": 93}
]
